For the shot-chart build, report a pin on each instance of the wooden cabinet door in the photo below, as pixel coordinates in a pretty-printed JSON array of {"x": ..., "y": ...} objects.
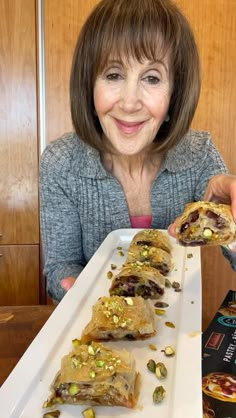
[
  {"x": 18, "y": 124},
  {"x": 19, "y": 275},
  {"x": 62, "y": 22},
  {"x": 214, "y": 24}
]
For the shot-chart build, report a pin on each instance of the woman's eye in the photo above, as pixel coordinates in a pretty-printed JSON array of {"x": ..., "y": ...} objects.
[
  {"x": 113, "y": 76},
  {"x": 151, "y": 79}
]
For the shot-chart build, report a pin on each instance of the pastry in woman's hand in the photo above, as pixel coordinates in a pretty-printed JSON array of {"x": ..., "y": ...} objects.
[
  {"x": 152, "y": 238},
  {"x": 205, "y": 223},
  {"x": 137, "y": 279},
  {"x": 117, "y": 317},
  {"x": 153, "y": 256},
  {"x": 96, "y": 375}
]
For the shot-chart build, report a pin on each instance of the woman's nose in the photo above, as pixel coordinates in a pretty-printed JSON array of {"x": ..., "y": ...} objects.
[{"x": 130, "y": 97}]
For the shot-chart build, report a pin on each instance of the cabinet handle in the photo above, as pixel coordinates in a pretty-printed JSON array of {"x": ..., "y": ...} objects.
[
  {"x": 1, "y": 255},
  {"x": 1, "y": 235}
]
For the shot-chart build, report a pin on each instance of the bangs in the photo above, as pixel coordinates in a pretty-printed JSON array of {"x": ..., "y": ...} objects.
[{"x": 132, "y": 35}]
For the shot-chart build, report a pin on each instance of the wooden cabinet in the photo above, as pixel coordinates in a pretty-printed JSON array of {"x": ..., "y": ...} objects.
[
  {"x": 19, "y": 222},
  {"x": 215, "y": 28},
  {"x": 19, "y": 272}
]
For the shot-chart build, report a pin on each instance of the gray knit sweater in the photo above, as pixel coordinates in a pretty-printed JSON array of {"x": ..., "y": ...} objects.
[{"x": 80, "y": 202}]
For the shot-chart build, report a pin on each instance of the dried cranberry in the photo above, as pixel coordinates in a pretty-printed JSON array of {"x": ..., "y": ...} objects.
[
  {"x": 193, "y": 216},
  {"x": 220, "y": 222},
  {"x": 211, "y": 215}
]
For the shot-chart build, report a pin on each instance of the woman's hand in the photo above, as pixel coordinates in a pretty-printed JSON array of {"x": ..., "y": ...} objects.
[
  {"x": 67, "y": 283},
  {"x": 222, "y": 189}
]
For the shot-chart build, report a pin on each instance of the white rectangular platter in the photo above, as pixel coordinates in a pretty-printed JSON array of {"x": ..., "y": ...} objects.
[{"x": 23, "y": 393}]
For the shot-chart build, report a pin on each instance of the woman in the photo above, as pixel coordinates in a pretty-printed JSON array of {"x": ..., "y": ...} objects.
[{"x": 132, "y": 160}]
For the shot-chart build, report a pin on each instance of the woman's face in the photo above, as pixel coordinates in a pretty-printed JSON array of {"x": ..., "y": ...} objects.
[{"x": 131, "y": 101}]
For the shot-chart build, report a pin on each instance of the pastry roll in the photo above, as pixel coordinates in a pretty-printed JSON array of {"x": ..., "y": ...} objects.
[
  {"x": 220, "y": 385},
  {"x": 96, "y": 375},
  {"x": 137, "y": 279},
  {"x": 155, "y": 257},
  {"x": 115, "y": 318},
  {"x": 152, "y": 238},
  {"x": 205, "y": 223}
]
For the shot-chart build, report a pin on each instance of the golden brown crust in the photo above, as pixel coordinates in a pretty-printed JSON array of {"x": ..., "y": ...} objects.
[
  {"x": 96, "y": 375},
  {"x": 205, "y": 223},
  {"x": 115, "y": 318},
  {"x": 152, "y": 238},
  {"x": 155, "y": 257}
]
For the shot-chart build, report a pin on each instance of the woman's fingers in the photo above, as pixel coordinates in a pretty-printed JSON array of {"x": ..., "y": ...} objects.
[
  {"x": 172, "y": 229},
  {"x": 67, "y": 283}
]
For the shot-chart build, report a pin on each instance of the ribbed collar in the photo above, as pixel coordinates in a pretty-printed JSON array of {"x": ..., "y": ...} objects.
[{"x": 184, "y": 155}]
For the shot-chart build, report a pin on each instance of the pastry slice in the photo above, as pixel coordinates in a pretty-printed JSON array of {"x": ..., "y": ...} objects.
[
  {"x": 96, "y": 375},
  {"x": 138, "y": 279},
  {"x": 117, "y": 317},
  {"x": 152, "y": 238},
  {"x": 153, "y": 256},
  {"x": 205, "y": 223}
]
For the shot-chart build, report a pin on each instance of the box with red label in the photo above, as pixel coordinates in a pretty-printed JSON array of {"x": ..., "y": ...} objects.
[{"x": 219, "y": 362}]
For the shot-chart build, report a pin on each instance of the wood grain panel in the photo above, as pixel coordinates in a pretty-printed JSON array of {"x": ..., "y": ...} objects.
[
  {"x": 62, "y": 22},
  {"x": 18, "y": 124},
  {"x": 19, "y": 275},
  {"x": 214, "y": 24}
]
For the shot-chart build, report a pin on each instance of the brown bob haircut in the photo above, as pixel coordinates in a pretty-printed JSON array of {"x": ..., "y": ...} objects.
[{"x": 141, "y": 29}]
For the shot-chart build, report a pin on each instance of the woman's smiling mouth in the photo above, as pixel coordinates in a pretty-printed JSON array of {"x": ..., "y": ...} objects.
[{"x": 128, "y": 127}]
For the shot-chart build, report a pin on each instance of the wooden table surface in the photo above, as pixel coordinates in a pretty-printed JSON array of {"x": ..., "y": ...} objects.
[{"x": 19, "y": 325}]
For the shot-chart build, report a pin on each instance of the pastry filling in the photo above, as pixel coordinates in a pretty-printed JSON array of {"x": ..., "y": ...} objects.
[
  {"x": 132, "y": 285},
  {"x": 201, "y": 227}
]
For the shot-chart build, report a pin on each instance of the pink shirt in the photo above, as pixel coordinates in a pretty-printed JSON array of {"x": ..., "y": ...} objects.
[{"x": 141, "y": 221}]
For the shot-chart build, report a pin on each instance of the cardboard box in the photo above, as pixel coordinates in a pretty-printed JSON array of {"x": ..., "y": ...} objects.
[{"x": 219, "y": 362}]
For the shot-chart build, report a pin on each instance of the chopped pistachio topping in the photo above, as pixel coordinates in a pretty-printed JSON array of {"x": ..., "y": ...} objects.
[
  {"x": 160, "y": 311},
  {"x": 75, "y": 361},
  {"x": 52, "y": 414},
  {"x": 92, "y": 374},
  {"x": 99, "y": 363},
  {"x": 109, "y": 275},
  {"x": 158, "y": 394},
  {"x": 129, "y": 301},
  {"x": 113, "y": 266},
  {"x": 167, "y": 283},
  {"x": 76, "y": 342},
  {"x": 169, "y": 324},
  {"x": 151, "y": 365},
  {"x": 91, "y": 350},
  {"x": 115, "y": 319},
  {"x": 161, "y": 305},
  {"x": 169, "y": 351},
  {"x": 161, "y": 371},
  {"x": 152, "y": 347},
  {"x": 88, "y": 413}
]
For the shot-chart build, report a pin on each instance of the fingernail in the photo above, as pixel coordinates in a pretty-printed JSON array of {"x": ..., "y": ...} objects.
[{"x": 232, "y": 246}]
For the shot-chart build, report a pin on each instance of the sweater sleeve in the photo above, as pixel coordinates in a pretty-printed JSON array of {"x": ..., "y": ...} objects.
[
  {"x": 59, "y": 220},
  {"x": 230, "y": 255},
  {"x": 211, "y": 164}
]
